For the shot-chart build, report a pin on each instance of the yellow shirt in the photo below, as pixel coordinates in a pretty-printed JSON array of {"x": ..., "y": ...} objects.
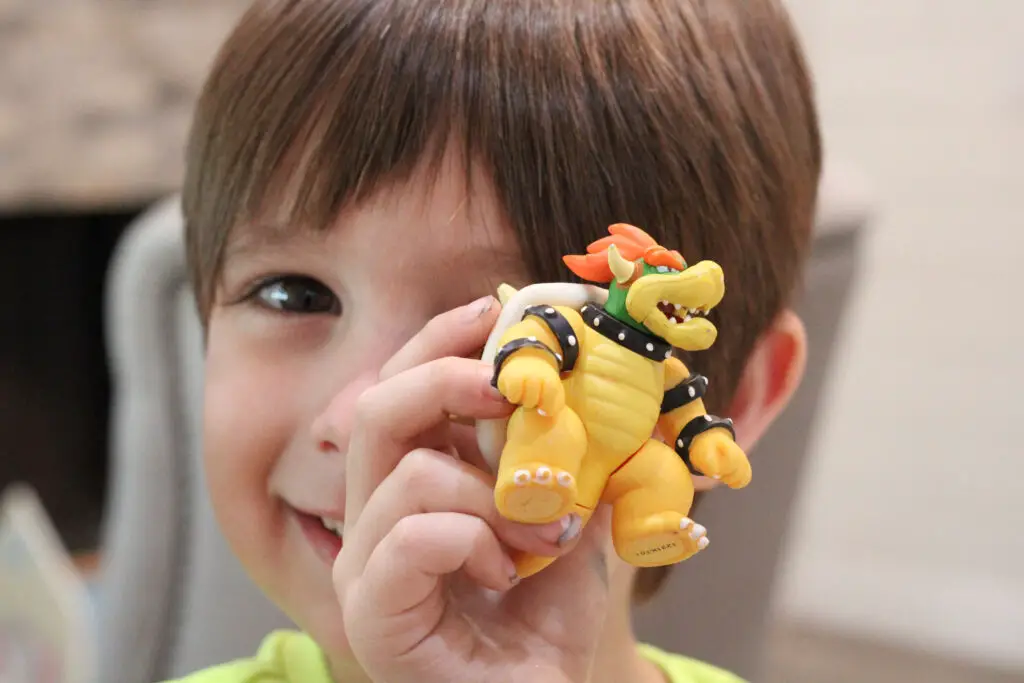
[{"x": 293, "y": 657}]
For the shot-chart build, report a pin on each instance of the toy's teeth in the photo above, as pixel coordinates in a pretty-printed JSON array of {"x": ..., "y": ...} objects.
[{"x": 678, "y": 306}]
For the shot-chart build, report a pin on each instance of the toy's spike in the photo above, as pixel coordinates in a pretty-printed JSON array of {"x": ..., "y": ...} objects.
[{"x": 505, "y": 292}]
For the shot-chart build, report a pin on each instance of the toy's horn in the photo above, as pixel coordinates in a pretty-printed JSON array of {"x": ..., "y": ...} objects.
[{"x": 621, "y": 268}]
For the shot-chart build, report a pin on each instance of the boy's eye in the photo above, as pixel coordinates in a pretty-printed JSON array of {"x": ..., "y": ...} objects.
[{"x": 298, "y": 294}]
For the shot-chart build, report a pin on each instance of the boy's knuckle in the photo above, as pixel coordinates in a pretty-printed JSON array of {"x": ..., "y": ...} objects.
[
  {"x": 433, "y": 328},
  {"x": 405, "y": 534},
  {"x": 418, "y": 469},
  {"x": 444, "y": 371},
  {"x": 366, "y": 409}
]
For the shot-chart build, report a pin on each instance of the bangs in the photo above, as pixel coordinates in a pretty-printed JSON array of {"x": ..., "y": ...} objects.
[
  {"x": 312, "y": 105},
  {"x": 581, "y": 113},
  {"x": 693, "y": 119}
]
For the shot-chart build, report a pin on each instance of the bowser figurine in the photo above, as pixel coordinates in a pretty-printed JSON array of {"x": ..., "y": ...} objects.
[{"x": 595, "y": 381}]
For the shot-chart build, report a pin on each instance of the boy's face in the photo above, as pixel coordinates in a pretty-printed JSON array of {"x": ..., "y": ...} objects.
[{"x": 302, "y": 319}]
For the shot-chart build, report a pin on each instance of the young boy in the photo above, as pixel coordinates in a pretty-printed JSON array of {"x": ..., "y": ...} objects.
[{"x": 360, "y": 169}]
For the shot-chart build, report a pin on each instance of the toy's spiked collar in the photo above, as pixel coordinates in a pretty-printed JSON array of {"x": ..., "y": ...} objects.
[{"x": 622, "y": 334}]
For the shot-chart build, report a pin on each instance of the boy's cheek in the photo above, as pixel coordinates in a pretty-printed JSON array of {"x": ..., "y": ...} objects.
[{"x": 245, "y": 428}]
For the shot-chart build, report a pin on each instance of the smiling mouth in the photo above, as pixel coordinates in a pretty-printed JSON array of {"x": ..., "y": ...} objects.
[
  {"x": 324, "y": 534},
  {"x": 676, "y": 314},
  {"x": 334, "y": 526}
]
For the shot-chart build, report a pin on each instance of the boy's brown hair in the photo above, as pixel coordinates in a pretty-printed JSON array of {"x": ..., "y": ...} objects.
[{"x": 693, "y": 119}]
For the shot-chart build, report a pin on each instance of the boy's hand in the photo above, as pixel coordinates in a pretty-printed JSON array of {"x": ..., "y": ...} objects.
[{"x": 425, "y": 582}]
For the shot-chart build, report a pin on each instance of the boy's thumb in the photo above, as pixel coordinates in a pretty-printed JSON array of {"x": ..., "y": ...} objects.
[{"x": 570, "y": 595}]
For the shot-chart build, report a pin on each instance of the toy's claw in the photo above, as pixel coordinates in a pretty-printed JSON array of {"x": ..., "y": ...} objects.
[
  {"x": 716, "y": 455},
  {"x": 697, "y": 532},
  {"x": 532, "y": 383}
]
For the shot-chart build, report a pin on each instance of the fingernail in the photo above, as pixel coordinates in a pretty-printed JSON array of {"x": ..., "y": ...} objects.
[
  {"x": 572, "y": 530},
  {"x": 552, "y": 531},
  {"x": 481, "y": 306},
  {"x": 561, "y": 532},
  {"x": 511, "y": 571}
]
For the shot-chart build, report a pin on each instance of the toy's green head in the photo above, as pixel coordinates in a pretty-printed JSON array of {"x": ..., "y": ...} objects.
[{"x": 652, "y": 288}]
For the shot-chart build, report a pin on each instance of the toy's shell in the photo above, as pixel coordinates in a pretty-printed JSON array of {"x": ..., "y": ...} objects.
[{"x": 490, "y": 434}]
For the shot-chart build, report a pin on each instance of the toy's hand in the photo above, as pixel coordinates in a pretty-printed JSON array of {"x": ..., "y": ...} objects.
[
  {"x": 531, "y": 381},
  {"x": 716, "y": 455}
]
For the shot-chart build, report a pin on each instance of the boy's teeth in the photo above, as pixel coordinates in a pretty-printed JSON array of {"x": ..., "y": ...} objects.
[{"x": 333, "y": 525}]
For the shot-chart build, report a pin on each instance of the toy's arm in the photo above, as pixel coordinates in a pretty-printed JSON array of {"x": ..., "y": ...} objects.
[
  {"x": 533, "y": 353},
  {"x": 707, "y": 444}
]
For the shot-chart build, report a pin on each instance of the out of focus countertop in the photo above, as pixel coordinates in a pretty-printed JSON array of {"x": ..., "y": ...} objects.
[{"x": 96, "y": 97}]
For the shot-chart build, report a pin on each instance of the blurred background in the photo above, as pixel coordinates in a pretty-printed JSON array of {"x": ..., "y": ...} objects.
[{"x": 892, "y": 543}]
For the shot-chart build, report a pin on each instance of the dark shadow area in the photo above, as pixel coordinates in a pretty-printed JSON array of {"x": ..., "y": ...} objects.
[{"x": 54, "y": 379}]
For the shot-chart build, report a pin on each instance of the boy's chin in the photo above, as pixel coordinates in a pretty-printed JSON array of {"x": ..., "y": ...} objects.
[{"x": 323, "y": 622}]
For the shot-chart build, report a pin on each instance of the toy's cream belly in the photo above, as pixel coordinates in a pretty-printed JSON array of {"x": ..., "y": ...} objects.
[{"x": 617, "y": 395}]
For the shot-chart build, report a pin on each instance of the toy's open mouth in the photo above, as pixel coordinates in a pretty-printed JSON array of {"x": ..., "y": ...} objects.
[{"x": 676, "y": 314}]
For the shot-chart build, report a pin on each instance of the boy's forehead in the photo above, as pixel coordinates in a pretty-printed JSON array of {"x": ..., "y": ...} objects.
[
  {"x": 444, "y": 212},
  {"x": 443, "y": 233}
]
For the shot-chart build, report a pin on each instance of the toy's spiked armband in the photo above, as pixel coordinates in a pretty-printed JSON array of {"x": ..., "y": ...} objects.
[
  {"x": 687, "y": 391},
  {"x": 517, "y": 345},
  {"x": 562, "y": 329},
  {"x": 695, "y": 428}
]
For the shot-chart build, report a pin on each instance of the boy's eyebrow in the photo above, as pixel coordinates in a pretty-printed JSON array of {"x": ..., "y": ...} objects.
[
  {"x": 499, "y": 259},
  {"x": 260, "y": 237}
]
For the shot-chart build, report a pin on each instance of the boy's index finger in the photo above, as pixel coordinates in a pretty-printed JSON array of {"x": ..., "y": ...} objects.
[
  {"x": 391, "y": 415},
  {"x": 458, "y": 332}
]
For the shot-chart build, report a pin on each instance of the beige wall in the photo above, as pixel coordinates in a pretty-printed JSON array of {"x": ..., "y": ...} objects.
[{"x": 912, "y": 518}]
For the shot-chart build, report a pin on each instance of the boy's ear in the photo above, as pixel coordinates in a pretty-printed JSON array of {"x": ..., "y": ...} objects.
[{"x": 770, "y": 378}]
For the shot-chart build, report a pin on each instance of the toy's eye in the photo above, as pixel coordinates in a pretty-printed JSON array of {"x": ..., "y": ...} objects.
[{"x": 297, "y": 294}]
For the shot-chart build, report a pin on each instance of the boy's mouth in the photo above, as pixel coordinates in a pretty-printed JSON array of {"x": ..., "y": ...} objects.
[
  {"x": 323, "y": 533},
  {"x": 334, "y": 526}
]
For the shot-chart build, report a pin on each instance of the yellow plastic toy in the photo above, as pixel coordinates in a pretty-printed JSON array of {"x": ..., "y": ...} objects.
[{"x": 593, "y": 374}]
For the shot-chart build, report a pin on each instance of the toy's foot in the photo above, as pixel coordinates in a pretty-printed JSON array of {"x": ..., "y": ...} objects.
[
  {"x": 535, "y": 493},
  {"x": 661, "y": 539}
]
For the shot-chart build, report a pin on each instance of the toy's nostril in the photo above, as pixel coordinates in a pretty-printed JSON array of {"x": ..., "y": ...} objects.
[{"x": 327, "y": 447}]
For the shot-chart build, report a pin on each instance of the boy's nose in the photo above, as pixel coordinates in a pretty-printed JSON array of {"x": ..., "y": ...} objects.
[{"x": 333, "y": 426}]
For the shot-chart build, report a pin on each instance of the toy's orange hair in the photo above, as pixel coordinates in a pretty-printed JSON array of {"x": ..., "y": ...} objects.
[{"x": 632, "y": 242}]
